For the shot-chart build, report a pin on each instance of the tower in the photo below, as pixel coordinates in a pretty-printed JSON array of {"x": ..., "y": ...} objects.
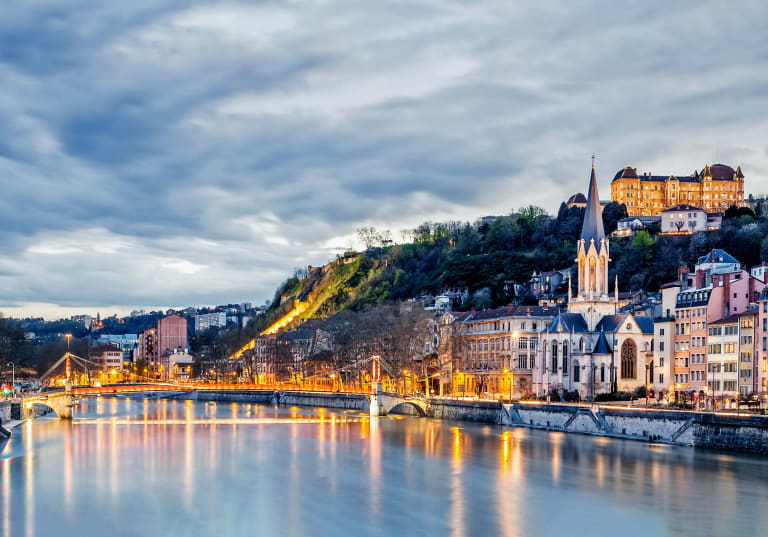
[{"x": 593, "y": 255}]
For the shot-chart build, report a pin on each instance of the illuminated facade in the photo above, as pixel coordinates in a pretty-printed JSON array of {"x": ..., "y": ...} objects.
[{"x": 715, "y": 189}]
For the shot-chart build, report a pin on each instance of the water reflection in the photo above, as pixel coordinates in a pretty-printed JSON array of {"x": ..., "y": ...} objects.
[{"x": 148, "y": 467}]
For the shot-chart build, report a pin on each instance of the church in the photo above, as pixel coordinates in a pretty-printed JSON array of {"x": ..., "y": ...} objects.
[{"x": 592, "y": 348}]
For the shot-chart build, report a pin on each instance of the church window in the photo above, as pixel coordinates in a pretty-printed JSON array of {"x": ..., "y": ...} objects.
[
  {"x": 565, "y": 357},
  {"x": 554, "y": 356},
  {"x": 628, "y": 359},
  {"x": 576, "y": 371}
]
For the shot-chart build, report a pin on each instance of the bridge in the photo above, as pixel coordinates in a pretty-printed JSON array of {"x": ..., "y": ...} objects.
[
  {"x": 379, "y": 403},
  {"x": 59, "y": 402}
]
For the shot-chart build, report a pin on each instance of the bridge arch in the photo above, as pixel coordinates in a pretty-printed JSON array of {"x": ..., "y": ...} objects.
[
  {"x": 409, "y": 408},
  {"x": 392, "y": 403}
]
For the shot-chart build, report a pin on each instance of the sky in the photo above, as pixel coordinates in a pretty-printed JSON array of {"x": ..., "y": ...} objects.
[{"x": 167, "y": 153}]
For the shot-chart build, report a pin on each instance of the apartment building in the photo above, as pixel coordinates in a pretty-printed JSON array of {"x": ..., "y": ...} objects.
[
  {"x": 495, "y": 350},
  {"x": 723, "y": 362},
  {"x": 747, "y": 342}
]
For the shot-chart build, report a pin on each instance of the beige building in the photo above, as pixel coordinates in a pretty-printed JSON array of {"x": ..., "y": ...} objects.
[
  {"x": 715, "y": 189},
  {"x": 494, "y": 351}
]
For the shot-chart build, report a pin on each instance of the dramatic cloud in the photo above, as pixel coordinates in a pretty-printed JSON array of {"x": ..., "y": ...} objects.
[{"x": 168, "y": 153}]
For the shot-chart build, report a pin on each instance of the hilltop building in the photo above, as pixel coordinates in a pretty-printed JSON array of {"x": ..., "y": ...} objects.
[{"x": 714, "y": 190}]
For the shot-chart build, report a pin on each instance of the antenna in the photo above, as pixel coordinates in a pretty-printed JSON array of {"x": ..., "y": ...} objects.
[{"x": 593, "y": 160}]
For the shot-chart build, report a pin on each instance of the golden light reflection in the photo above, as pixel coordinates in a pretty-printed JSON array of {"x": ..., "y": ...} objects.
[{"x": 458, "y": 515}]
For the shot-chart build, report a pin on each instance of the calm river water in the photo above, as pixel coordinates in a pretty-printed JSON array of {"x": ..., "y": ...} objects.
[{"x": 145, "y": 468}]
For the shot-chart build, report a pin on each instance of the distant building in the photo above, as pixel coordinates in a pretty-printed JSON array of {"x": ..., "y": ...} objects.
[
  {"x": 148, "y": 349},
  {"x": 171, "y": 333},
  {"x": 205, "y": 321},
  {"x": 577, "y": 200},
  {"x": 715, "y": 189},
  {"x": 760, "y": 271},
  {"x": 84, "y": 320},
  {"x": 629, "y": 226},
  {"x": 109, "y": 357},
  {"x": 125, "y": 341},
  {"x": 683, "y": 219},
  {"x": 545, "y": 284}
]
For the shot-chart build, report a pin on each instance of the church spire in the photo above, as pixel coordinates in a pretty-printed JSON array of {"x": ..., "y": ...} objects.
[{"x": 592, "y": 228}]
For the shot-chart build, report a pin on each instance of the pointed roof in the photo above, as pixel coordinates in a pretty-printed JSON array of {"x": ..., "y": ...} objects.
[
  {"x": 592, "y": 228},
  {"x": 601, "y": 345},
  {"x": 739, "y": 173},
  {"x": 568, "y": 322}
]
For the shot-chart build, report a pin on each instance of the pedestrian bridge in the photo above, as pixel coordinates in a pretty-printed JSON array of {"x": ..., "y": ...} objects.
[{"x": 379, "y": 404}]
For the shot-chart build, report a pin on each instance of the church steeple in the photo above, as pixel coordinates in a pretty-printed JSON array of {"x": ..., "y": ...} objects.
[{"x": 592, "y": 227}]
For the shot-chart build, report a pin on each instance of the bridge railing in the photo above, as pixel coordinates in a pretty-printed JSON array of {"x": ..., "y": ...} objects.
[{"x": 158, "y": 387}]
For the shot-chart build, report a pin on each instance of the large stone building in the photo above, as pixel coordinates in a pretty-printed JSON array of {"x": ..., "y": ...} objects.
[
  {"x": 492, "y": 353},
  {"x": 592, "y": 348},
  {"x": 715, "y": 189}
]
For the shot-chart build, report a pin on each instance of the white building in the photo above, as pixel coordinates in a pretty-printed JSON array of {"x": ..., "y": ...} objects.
[
  {"x": 760, "y": 271},
  {"x": 204, "y": 321},
  {"x": 683, "y": 219},
  {"x": 662, "y": 368},
  {"x": 723, "y": 361}
]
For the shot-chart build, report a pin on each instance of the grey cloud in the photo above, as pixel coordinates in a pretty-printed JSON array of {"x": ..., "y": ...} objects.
[{"x": 216, "y": 146}]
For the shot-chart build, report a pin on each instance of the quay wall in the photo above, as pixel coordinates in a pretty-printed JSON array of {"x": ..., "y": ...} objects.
[
  {"x": 477, "y": 411},
  {"x": 745, "y": 434}
]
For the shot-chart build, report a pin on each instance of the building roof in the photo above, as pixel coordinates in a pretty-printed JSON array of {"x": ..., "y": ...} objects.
[
  {"x": 610, "y": 323},
  {"x": 578, "y": 197},
  {"x": 670, "y": 284},
  {"x": 601, "y": 345},
  {"x": 592, "y": 228},
  {"x": 721, "y": 172},
  {"x": 511, "y": 311},
  {"x": 626, "y": 173},
  {"x": 717, "y": 255},
  {"x": 682, "y": 207},
  {"x": 731, "y": 319},
  {"x": 568, "y": 322}
]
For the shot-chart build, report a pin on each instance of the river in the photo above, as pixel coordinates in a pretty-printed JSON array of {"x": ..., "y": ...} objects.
[{"x": 133, "y": 467}]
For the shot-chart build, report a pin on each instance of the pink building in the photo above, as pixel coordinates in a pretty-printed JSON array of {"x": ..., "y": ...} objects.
[
  {"x": 761, "y": 347},
  {"x": 171, "y": 334}
]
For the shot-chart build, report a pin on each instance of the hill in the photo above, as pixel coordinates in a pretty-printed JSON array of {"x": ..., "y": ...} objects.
[{"x": 480, "y": 262}]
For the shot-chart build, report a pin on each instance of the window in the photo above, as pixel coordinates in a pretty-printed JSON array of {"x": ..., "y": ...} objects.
[
  {"x": 628, "y": 359},
  {"x": 602, "y": 372},
  {"x": 554, "y": 356},
  {"x": 661, "y": 378},
  {"x": 565, "y": 357},
  {"x": 661, "y": 345},
  {"x": 576, "y": 371}
]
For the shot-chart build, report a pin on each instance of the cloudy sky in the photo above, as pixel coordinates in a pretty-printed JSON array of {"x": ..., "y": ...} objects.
[{"x": 170, "y": 153}]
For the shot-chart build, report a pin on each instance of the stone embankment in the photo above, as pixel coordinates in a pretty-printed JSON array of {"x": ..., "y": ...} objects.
[
  {"x": 744, "y": 433},
  {"x": 716, "y": 431}
]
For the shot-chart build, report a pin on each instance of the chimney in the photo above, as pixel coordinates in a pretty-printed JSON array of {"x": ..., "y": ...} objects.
[
  {"x": 510, "y": 308},
  {"x": 473, "y": 311}
]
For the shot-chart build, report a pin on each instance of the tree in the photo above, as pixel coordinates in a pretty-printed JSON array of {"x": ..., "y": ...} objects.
[
  {"x": 612, "y": 213},
  {"x": 643, "y": 244}
]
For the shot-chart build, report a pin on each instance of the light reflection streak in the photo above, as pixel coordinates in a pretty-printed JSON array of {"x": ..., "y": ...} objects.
[
  {"x": 458, "y": 521},
  {"x": 29, "y": 483},
  {"x": 220, "y": 421},
  {"x": 6, "y": 463}
]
